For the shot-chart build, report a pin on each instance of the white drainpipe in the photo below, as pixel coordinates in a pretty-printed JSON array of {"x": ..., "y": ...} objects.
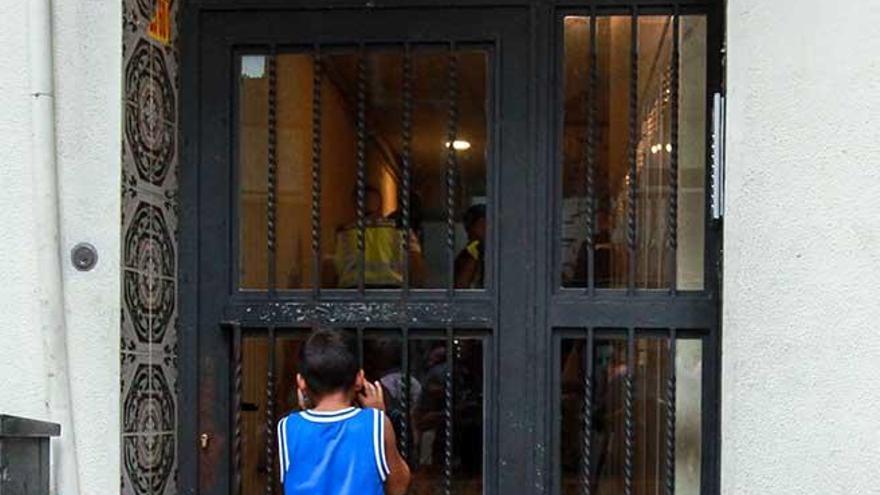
[{"x": 47, "y": 230}]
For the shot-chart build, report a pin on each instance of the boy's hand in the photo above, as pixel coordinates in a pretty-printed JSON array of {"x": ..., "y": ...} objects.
[{"x": 372, "y": 396}]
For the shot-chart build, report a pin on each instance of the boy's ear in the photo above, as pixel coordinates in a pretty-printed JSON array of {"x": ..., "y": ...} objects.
[
  {"x": 301, "y": 383},
  {"x": 359, "y": 381}
]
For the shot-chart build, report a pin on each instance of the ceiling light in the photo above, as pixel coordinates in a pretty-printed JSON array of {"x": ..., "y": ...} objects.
[{"x": 459, "y": 145}]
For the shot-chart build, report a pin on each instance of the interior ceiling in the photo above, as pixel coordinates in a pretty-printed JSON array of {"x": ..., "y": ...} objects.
[
  {"x": 613, "y": 47},
  {"x": 430, "y": 78},
  {"x": 430, "y": 118}
]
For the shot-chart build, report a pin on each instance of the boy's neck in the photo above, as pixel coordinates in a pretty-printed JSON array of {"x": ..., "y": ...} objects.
[{"x": 333, "y": 402}]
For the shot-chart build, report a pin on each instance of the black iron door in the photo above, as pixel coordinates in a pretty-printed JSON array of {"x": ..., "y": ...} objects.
[{"x": 507, "y": 207}]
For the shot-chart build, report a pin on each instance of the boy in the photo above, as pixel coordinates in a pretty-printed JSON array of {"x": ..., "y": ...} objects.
[{"x": 341, "y": 443}]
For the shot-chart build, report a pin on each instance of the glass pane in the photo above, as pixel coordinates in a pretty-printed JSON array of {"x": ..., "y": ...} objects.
[
  {"x": 383, "y": 169},
  {"x": 597, "y": 131},
  {"x": 607, "y": 454},
  {"x": 692, "y": 154},
  {"x": 653, "y": 154},
  {"x": 428, "y": 361},
  {"x": 253, "y": 138},
  {"x": 382, "y": 352}
]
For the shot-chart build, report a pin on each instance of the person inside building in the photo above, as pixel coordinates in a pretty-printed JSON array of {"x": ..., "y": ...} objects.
[
  {"x": 601, "y": 256},
  {"x": 383, "y": 259},
  {"x": 469, "y": 264}
]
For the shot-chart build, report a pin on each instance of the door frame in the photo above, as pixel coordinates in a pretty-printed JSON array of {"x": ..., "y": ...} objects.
[
  {"x": 503, "y": 305},
  {"x": 531, "y": 418}
]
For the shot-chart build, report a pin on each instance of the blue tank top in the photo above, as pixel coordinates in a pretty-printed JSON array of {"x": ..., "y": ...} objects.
[{"x": 333, "y": 453}]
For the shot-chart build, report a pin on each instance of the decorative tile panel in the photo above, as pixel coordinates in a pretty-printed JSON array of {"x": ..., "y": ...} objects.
[{"x": 149, "y": 251}]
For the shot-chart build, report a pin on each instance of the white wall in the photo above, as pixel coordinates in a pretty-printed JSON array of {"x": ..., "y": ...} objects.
[
  {"x": 88, "y": 91},
  {"x": 801, "y": 391}
]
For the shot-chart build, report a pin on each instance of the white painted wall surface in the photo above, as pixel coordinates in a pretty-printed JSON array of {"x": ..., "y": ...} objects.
[
  {"x": 88, "y": 93},
  {"x": 801, "y": 394}
]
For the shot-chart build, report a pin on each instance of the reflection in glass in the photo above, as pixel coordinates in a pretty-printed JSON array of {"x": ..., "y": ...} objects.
[
  {"x": 603, "y": 139},
  {"x": 300, "y": 109},
  {"x": 382, "y": 352},
  {"x": 608, "y": 424}
]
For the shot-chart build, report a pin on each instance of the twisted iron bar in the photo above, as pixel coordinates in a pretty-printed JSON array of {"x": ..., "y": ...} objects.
[
  {"x": 670, "y": 416},
  {"x": 361, "y": 162},
  {"x": 404, "y": 401},
  {"x": 451, "y": 162},
  {"x": 632, "y": 176},
  {"x": 406, "y": 161},
  {"x": 447, "y": 414},
  {"x": 317, "y": 78},
  {"x": 672, "y": 210},
  {"x": 590, "y": 147},
  {"x": 236, "y": 414},
  {"x": 629, "y": 405},
  {"x": 270, "y": 413},
  {"x": 272, "y": 171},
  {"x": 587, "y": 446}
]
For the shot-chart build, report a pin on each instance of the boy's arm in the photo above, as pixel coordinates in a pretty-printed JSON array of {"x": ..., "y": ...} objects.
[{"x": 398, "y": 480}]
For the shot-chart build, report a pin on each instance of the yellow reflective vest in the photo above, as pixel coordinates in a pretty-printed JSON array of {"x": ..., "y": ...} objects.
[{"x": 383, "y": 254}]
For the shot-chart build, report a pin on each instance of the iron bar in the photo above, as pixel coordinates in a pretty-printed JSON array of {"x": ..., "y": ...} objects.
[
  {"x": 672, "y": 210},
  {"x": 270, "y": 410},
  {"x": 272, "y": 173},
  {"x": 406, "y": 163},
  {"x": 405, "y": 390},
  {"x": 670, "y": 415},
  {"x": 632, "y": 176},
  {"x": 451, "y": 164},
  {"x": 361, "y": 163},
  {"x": 236, "y": 409},
  {"x": 591, "y": 139},
  {"x": 317, "y": 81},
  {"x": 587, "y": 446},
  {"x": 629, "y": 413},
  {"x": 360, "y": 346},
  {"x": 448, "y": 405}
]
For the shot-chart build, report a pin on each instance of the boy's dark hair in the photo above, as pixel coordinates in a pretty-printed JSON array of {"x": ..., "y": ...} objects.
[{"x": 327, "y": 362}]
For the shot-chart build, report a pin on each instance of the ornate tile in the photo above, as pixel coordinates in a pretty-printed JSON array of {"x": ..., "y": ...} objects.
[
  {"x": 135, "y": 393},
  {"x": 165, "y": 389},
  {"x": 162, "y": 462},
  {"x": 149, "y": 463},
  {"x": 131, "y": 198},
  {"x": 163, "y": 231},
  {"x": 135, "y": 323},
  {"x": 149, "y": 281},
  {"x": 131, "y": 182},
  {"x": 148, "y": 234},
  {"x": 150, "y": 114},
  {"x": 170, "y": 482},
  {"x": 135, "y": 481}
]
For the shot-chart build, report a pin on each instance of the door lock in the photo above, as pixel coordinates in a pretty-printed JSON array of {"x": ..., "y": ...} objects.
[{"x": 204, "y": 439}]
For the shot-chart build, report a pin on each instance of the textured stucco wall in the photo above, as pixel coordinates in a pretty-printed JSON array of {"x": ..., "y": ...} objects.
[
  {"x": 88, "y": 116},
  {"x": 801, "y": 403},
  {"x": 22, "y": 387}
]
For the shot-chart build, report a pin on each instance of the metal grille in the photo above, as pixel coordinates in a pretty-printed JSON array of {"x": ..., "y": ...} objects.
[
  {"x": 524, "y": 321},
  {"x": 640, "y": 318},
  {"x": 272, "y": 318}
]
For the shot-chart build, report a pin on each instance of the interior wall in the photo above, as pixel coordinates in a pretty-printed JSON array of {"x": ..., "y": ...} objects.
[
  {"x": 294, "y": 173},
  {"x": 802, "y": 249}
]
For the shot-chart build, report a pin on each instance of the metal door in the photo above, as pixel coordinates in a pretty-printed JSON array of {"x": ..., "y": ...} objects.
[{"x": 289, "y": 112}]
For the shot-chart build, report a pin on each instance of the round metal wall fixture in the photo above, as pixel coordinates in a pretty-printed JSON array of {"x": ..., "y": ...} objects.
[{"x": 84, "y": 256}]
